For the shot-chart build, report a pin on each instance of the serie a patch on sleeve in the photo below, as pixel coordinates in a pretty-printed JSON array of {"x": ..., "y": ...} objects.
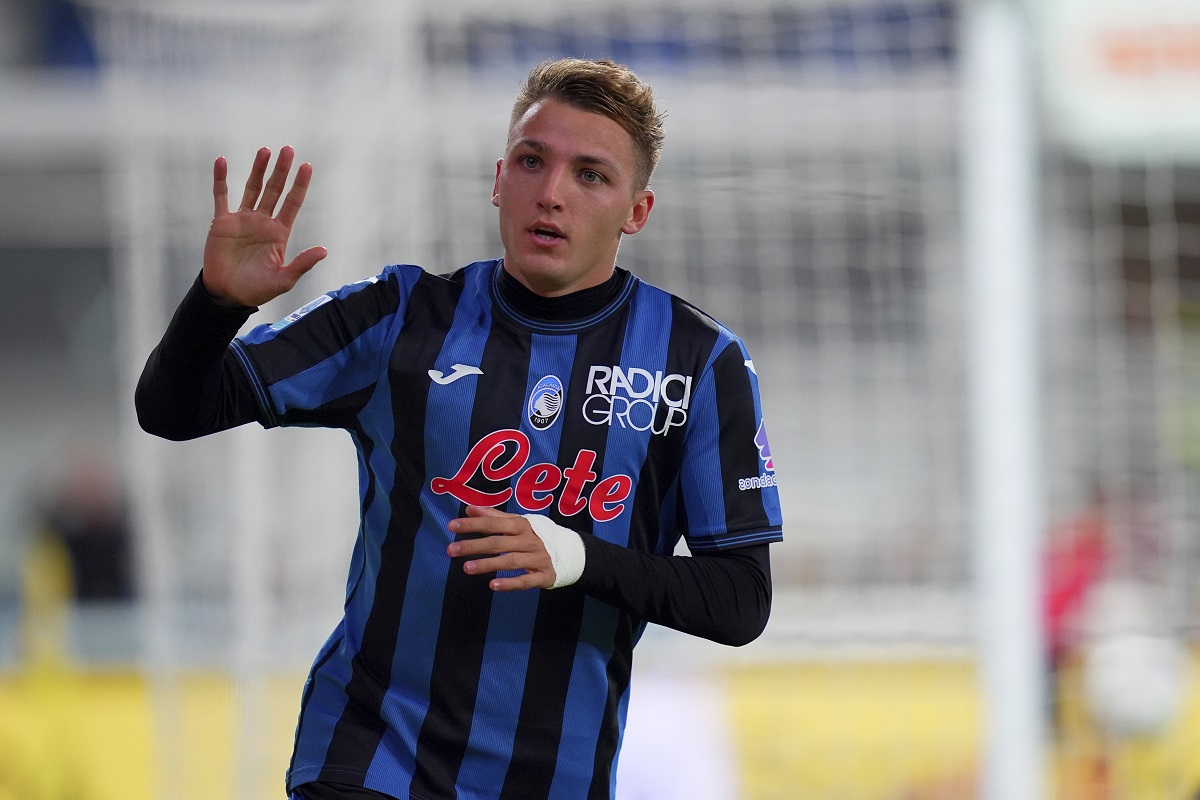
[{"x": 300, "y": 312}]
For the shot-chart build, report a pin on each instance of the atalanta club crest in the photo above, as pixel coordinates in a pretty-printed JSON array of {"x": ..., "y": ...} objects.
[{"x": 545, "y": 403}]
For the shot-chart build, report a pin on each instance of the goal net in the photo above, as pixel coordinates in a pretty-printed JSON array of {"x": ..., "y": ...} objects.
[{"x": 809, "y": 198}]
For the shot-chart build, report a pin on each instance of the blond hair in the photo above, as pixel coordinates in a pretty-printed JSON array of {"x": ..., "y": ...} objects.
[{"x": 601, "y": 87}]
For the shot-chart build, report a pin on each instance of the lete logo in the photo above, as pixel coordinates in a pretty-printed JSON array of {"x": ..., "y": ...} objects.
[{"x": 535, "y": 486}]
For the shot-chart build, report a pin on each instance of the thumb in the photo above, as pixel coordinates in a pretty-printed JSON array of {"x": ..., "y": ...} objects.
[{"x": 306, "y": 260}]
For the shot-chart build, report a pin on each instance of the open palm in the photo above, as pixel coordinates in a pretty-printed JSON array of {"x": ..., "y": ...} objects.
[{"x": 244, "y": 255}]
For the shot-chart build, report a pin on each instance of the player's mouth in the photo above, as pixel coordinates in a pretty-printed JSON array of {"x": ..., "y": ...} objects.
[{"x": 546, "y": 234}]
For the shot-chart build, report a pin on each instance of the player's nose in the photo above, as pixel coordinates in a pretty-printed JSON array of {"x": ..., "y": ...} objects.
[{"x": 551, "y": 191}]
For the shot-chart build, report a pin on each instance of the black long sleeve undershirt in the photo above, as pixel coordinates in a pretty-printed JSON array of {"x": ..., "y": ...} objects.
[
  {"x": 723, "y": 596},
  {"x": 192, "y": 386}
]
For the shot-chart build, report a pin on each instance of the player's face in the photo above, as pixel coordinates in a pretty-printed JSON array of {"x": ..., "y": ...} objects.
[{"x": 565, "y": 193}]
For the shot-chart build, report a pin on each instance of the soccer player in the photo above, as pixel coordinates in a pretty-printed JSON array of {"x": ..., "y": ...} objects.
[{"x": 534, "y": 435}]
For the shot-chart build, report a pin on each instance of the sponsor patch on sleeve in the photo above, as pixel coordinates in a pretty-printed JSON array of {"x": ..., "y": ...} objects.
[
  {"x": 767, "y": 478},
  {"x": 300, "y": 312}
]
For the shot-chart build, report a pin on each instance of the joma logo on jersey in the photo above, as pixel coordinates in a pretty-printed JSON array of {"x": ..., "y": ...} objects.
[
  {"x": 637, "y": 398},
  {"x": 502, "y": 456}
]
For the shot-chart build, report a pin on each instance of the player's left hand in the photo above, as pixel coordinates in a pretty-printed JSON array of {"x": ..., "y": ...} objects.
[{"x": 508, "y": 543}]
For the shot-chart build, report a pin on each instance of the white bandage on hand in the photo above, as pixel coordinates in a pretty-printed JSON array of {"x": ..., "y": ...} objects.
[{"x": 565, "y": 547}]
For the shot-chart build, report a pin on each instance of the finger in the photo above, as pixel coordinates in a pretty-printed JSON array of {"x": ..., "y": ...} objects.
[
  {"x": 295, "y": 196},
  {"x": 220, "y": 187},
  {"x": 518, "y": 563},
  {"x": 255, "y": 181},
  {"x": 490, "y": 545},
  {"x": 487, "y": 511},
  {"x": 505, "y": 561},
  {"x": 516, "y": 583},
  {"x": 278, "y": 179},
  {"x": 306, "y": 260},
  {"x": 496, "y": 524}
]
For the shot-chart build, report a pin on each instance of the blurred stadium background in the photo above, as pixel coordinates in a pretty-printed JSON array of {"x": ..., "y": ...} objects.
[{"x": 160, "y": 603}]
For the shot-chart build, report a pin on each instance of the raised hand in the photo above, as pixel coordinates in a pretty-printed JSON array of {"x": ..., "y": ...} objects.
[{"x": 245, "y": 250}]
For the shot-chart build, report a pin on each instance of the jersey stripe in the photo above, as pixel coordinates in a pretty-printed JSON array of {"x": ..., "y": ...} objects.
[
  {"x": 400, "y": 424},
  {"x": 743, "y": 507},
  {"x": 411, "y": 662},
  {"x": 506, "y": 655},
  {"x": 302, "y": 751},
  {"x": 271, "y": 351},
  {"x": 317, "y": 719},
  {"x": 556, "y": 632},
  {"x": 608, "y": 744},
  {"x": 624, "y": 450},
  {"x": 704, "y": 490},
  {"x": 461, "y": 636},
  {"x": 770, "y": 500},
  {"x": 660, "y": 338}
]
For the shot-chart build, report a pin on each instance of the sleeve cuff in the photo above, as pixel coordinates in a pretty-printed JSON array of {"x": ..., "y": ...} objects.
[{"x": 200, "y": 293}]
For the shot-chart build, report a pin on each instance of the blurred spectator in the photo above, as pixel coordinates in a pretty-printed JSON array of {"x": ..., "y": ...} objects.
[
  {"x": 86, "y": 511},
  {"x": 1076, "y": 555},
  {"x": 1076, "y": 552}
]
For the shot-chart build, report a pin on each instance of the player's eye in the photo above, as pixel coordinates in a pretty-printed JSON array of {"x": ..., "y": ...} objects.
[
  {"x": 530, "y": 162},
  {"x": 591, "y": 176}
]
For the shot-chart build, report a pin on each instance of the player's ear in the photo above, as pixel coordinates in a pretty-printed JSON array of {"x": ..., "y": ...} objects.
[
  {"x": 496, "y": 185},
  {"x": 643, "y": 201}
]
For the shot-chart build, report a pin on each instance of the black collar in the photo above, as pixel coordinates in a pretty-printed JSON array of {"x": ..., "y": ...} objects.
[{"x": 552, "y": 312}]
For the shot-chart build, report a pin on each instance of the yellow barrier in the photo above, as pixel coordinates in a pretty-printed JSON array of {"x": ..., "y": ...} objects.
[{"x": 852, "y": 731}]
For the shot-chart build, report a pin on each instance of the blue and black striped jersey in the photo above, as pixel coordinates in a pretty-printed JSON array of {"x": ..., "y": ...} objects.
[{"x": 636, "y": 425}]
